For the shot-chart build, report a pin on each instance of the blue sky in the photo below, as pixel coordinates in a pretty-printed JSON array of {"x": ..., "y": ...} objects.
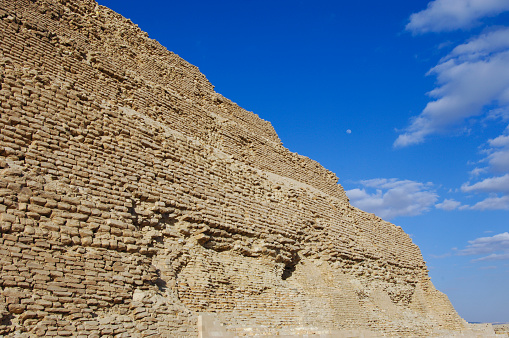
[{"x": 406, "y": 101}]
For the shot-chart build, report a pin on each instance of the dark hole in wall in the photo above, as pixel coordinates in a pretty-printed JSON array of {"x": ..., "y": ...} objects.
[
  {"x": 288, "y": 271},
  {"x": 6, "y": 320},
  {"x": 161, "y": 284}
]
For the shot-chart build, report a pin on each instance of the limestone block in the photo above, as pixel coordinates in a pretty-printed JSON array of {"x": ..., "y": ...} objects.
[
  {"x": 116, "y": 224},
  {"x": 16, "y": 308},
  {"x": 43, "y": 211},
  {"x": 4, "y": 217}
]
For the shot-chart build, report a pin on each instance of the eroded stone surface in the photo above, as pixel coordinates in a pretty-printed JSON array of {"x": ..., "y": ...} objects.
[{"x": 133, "y": 198}]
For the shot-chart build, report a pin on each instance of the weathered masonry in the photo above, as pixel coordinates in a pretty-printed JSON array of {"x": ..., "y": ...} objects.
[{"x": 133, "y": 198}]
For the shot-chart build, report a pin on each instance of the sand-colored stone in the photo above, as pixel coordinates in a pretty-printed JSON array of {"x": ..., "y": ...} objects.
[
  {"x": 134, "y": 198},
  {"x": 501, "y": 329}
]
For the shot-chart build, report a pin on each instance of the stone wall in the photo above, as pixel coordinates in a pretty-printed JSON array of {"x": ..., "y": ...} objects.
[{"x": 133, "y": 198}]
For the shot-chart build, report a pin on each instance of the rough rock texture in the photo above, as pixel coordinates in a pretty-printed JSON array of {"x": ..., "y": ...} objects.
[
  {"x": 133, "y": 198},
  {"x": 501, "y": 329}
]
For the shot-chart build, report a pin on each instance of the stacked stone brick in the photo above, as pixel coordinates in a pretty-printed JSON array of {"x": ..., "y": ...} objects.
[{"x": 133, "y": 197}]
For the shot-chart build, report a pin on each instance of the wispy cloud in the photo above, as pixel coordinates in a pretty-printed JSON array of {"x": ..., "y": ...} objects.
[
  {"x": 492, "y": 248},
  {"x": 492, "y": 184},
  {"x": 497, "y": 187},
  {"x": 472, "y": 82},
  {"x": 498, "y": 113},
  {"x": 471, "y": 77},
  {"x": 492, "y": 203},
  {"x": 448, "y": 204},
  {"x": 448, "y": 15},
  {"x": 478, "y": 171},
  {"x": 390, "y": 198},
  {"x": 481, "y": 46},
  {"x": 498, "y": 153}
]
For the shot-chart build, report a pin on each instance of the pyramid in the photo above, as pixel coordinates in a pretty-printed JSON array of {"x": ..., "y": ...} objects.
[{"x": 136, "y": 201}]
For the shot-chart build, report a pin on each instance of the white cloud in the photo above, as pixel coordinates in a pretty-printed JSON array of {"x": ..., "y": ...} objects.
[
  {"x": 471, "y": 77},
  {"x": 493, "y": 257},
  {"x": 478, "y": 171},
  {"x": 501, "y": 141},
  {"x": 497, "y": 187},
  {"x": 495, "y": 41},
  {"x": 472, "y": 86},
  {"x": 448, "y": 204},
  {"x": 490, "y": 185},
  {"x": 495, "y": 247},
  {"x": 492, "y": 203},
  {"x": 393, "y": 197},
  {"x": 499, "y": 113},
  {"x": 498, "y": 156},
  {"x": 499, "y": 159},
  {"x": 448, "y": 15}
]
